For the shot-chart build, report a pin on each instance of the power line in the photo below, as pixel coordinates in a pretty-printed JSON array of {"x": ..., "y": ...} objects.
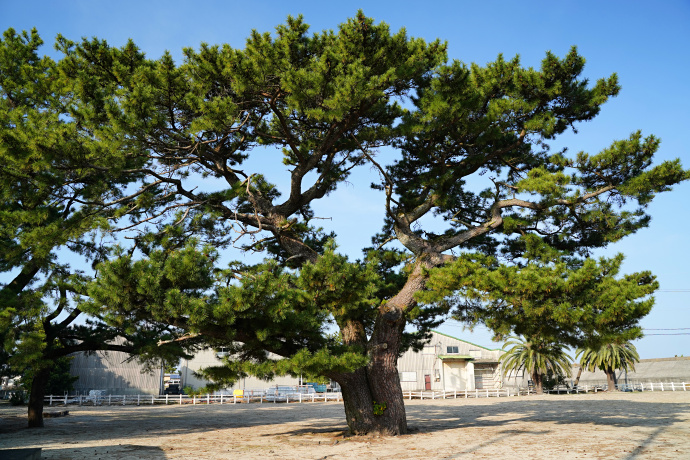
[{"x": 677, "y": 333}]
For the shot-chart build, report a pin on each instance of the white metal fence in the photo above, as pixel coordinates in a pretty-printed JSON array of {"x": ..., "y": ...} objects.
[
  {"x": 648, "y": 386},
  {"x": 263, "y": 396},
  {"x": 138, "y": 400},
  {"x": 483, "y": 393}
]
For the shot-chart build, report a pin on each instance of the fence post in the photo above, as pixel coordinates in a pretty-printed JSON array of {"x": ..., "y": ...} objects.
[
  {"x": 124, "y": 399},
  {"x": 221, "y": 399},
  {"x": 109, "y": 399},
  {"x": 138, "y": 399},
  {"x": 193, "y": 400},
  {"x": 167, "y": 396},
  {"x": 208, "y": 399},
  {"x": 684, "y": 387},
  {"x": 51, "y": 400},
  {"x": 152, "y": 401},
  {"x": 180, "y": 399}
]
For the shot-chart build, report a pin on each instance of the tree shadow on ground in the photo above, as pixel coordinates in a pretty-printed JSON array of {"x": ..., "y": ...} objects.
[
  {"x": 112, "y": 451},
  {"x": 172, "y": 420},
  {"x": 618, "y": 413},
  {"x": 329, "y": 419}
]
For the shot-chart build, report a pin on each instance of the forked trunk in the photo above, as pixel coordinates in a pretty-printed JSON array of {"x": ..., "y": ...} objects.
[
  {"x": 373, "y": 400},
  {"x": 372, "y": 395},
  {"x": 38, "y": 388}
]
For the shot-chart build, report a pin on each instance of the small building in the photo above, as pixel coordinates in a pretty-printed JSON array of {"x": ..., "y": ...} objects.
[{"x": 450, "y": 364}]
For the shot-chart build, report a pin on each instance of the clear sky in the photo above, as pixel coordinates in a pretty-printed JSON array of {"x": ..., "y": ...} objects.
[{"x": 646, "y": 43}]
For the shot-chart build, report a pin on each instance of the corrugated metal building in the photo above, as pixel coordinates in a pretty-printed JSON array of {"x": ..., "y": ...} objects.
[
  {"x": 646, "y": 371},
  {"x": 210, "y": 357},
  {"x": 448, "y": 363},
  {"x": 110, "y": 371}
]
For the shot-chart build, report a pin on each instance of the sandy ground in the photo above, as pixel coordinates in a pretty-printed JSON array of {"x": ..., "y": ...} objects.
[{"x": 602, "y": 426}]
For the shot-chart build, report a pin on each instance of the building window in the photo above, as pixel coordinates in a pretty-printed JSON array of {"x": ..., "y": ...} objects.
[
  {"x": 451, "y": 350},
  {"x": 408, "y": 376}
]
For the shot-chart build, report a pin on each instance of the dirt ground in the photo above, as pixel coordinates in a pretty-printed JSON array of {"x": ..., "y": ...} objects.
[{"x": 651, "y": 425}]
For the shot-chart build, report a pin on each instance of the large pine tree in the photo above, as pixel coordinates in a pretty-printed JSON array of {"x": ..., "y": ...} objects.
[{"x": 328, "y": 101}]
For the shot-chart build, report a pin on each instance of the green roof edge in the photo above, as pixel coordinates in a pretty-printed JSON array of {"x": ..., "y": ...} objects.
[
  {"x": 447, "y": 356},
  {"x": 462, "y": 340}
]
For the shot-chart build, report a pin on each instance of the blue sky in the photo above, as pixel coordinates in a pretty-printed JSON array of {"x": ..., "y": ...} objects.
[{"x": 646, "y": 43}]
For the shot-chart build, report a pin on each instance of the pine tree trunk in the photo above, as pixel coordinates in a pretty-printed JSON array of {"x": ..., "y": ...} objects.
[
  {"x": 374, "y": 400},
  {"x": 373, "y": 397},
  {"x": 359, "y": 406},
  {"x": 370, "y": 388},
  {"x": 384, "y": 381},
  {"x": 38, "y": 388}
]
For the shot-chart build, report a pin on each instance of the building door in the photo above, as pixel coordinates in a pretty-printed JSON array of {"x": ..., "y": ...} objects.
[
  {"x": 454, "y": 376},
  {"x": 484, "y": 376},
  {"x": 427, "y": 382}
]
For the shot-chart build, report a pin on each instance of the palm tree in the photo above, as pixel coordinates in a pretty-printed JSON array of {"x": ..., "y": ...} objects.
[
  {"x": 609, "y": 357},
  {"x": 536, "y": 357}
]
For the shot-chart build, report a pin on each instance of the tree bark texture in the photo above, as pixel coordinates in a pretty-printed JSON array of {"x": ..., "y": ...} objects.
[
  {"x": 373, "y": 398},
  {"x": 611, "y": 379},
  {"x": 538, "y": 380},
  {"x": 358, "y": 402},
  {"x": 384, "y": 379},
  {"x": 38, "y": 388}
]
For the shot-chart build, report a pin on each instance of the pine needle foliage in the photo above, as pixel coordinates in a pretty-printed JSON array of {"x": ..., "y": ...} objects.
[{"x": 462, "y": 159}]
